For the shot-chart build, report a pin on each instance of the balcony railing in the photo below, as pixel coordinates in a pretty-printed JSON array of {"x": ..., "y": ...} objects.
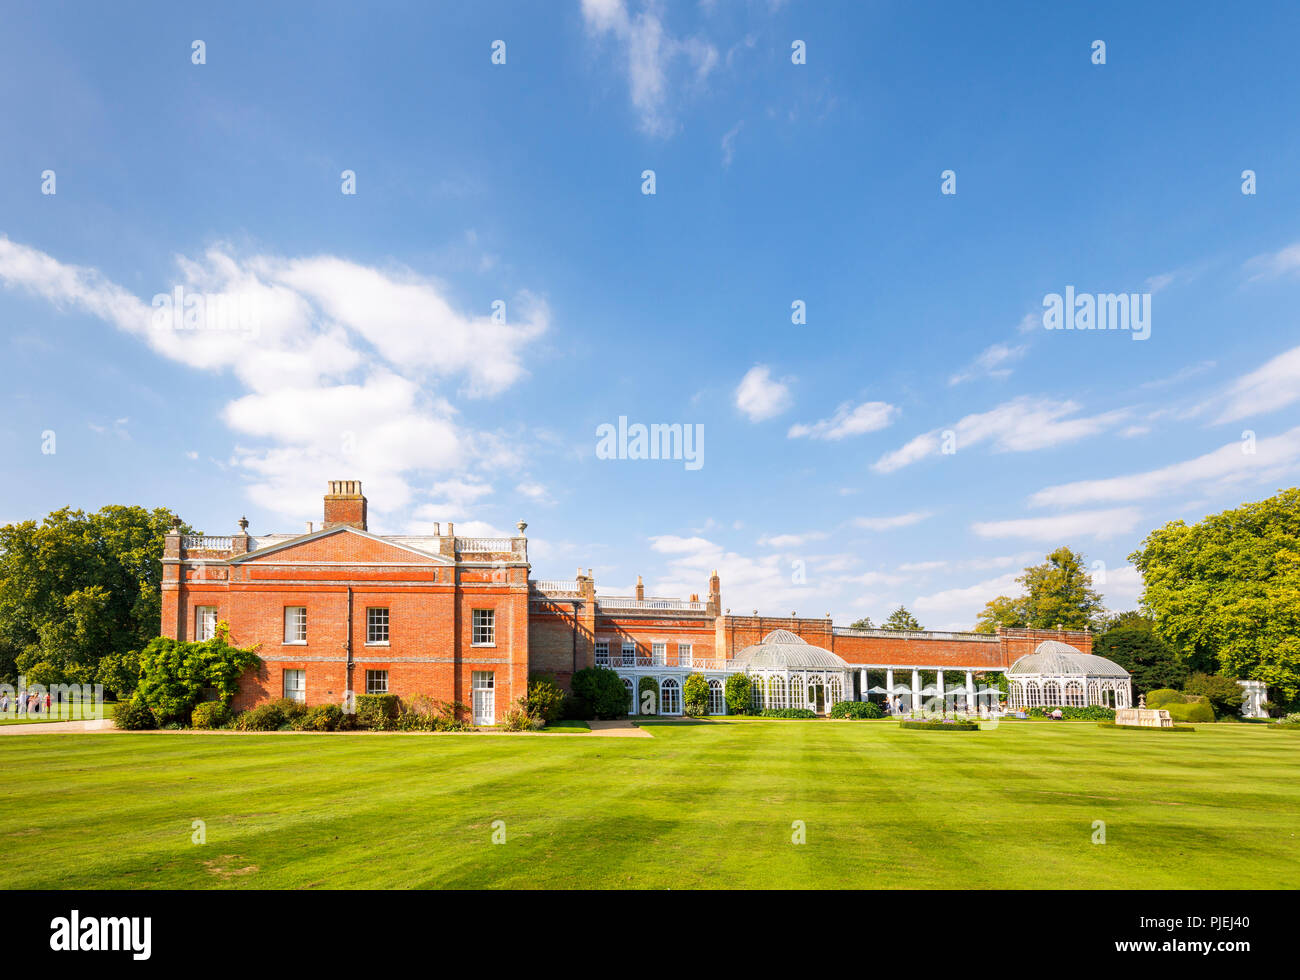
[
  {"x": 486, "y": 545},
  {"x": 629, "y": 602},
  {"x": 206, "y": 542},
  {"x": 556, "y": 587}
]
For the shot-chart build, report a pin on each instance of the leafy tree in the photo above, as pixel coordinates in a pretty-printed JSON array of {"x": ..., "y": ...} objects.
[
  {"x": 900, "y": 619},
  {"x": 1003, "y": 611},
  {"x": 1226, "y": 590},
  {"x": 119, "y": 673},
  {"x": 738, "y": 693},
  {"x": 175, "y": 673},
  {"x": 1058, "y": 592},
  {"x": 1153, "y": 663},
  {"x": 77, "y": 587},
  {"x": 1223, "y": 693},
  {"x": 861, "y": 624},
  {"x": 695, "y": 696}
]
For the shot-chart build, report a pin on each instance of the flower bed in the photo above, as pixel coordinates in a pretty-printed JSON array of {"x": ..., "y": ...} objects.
[{"x": 941, "y": 726}]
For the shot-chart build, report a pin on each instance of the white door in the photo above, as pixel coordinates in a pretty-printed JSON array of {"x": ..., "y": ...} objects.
[{"x": 485, "y": 697}]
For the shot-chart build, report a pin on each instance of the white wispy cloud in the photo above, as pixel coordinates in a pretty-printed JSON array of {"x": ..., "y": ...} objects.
[
  {"x": 760, "y": 396},
  {"x": 650, "y": 54},
  {"x": 1269, "y": 387},
  {"x": 1231, "y": 465},
  {"x": 338, "y": 364},
  {"x": 1023, "y": 424},
  {"x": 1101, "y": 524},
  {"x": 848, "y": 420},
  {"x": 790, "y": 540},
  {"x": 891, "y": 522},
  {"x": 1272, "y": 265},
  {"x": 991, "y": 363}
]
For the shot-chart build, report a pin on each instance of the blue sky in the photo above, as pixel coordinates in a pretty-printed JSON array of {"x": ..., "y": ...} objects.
[{"x": 824, "y": 486}]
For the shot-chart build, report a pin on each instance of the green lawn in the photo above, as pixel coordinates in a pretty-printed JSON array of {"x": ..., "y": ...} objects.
[
  {"x": 701, "y": 804},
  {"x": 72, "y": 711}
]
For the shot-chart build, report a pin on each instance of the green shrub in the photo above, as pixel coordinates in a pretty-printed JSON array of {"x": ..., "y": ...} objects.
[
  {"x": 376, "y": 712},
  {"x": 293, "y": 711},
  {"x": 209, "y": 714},
  {"x": 1198, "y": 711},
  {"x": 175, "y": 673},
  {"x": 647, "y": 696},
  {"x": 134, "y": 715},
  {"x": 856, "y": 709},
  {"x": 1223, "y": 693},
  {"x": 601, "y": 692},
  {"x": 1162, "y": 696},
  {"x": 787, "y": 713},
  {"x": 695, "y": 696},
  {"x": 322, "y": 718},
  {"x": 264, "y": 718},
  {"x": 739, "y": 694},
  {"x": 517, "y": 718},
  {"x": 545, "y": 698}
]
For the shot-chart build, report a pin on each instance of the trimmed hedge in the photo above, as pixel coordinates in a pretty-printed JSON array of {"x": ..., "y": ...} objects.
[
  {"x": 376, "y": 711},
  {"x": 209, "y": 714},
  {"x": 941, "y": 726},
  {"x": 1093, "y": 712},
  {"x": 545, "y": 697},
  {"x": 1196, "y": 711},
  {"x": 787, "y": 713},
  {"x": 1163, "y": 696},
  {"x": 856, "y": 709}
]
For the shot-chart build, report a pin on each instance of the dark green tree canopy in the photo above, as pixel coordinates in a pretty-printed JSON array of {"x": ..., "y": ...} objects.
[
  {"x": 77, "y": 587},
  {"x": 1153, "y": 663},
  {"x": 1226, "y": 590},
  {"x": 862, "y": 624},
  {"x": 900, "y": 619}
]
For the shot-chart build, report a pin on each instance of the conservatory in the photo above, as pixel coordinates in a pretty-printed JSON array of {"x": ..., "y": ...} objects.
[
  {"x": 785, "y": 671},
  {"x": 1059, "y": 675}
]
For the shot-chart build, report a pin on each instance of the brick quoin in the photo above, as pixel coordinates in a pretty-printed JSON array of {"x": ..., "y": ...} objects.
[{"x": 431, "y": 584}]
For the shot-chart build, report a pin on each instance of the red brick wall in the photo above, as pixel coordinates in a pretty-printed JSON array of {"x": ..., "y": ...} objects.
[{"x": 430, "y": 648}]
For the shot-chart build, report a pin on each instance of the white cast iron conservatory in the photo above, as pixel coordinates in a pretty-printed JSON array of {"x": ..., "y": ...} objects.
[
  {"x": 788, "y": 672},
  {"x": 1059, "y": 675}
]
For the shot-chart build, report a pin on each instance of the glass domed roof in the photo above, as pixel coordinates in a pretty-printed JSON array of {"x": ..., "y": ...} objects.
[
  {"x": 783, "y": 650},
  {"x": 1054, "y": 658}
]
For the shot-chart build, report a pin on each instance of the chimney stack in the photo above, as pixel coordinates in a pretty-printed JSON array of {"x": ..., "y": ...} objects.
[
  {"x": 344, "y": 505},
  {"x": 640, "y": 588}
]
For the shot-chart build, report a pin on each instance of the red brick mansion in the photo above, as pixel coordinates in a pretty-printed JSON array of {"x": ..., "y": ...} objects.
[{"x": 337, "y": 610}]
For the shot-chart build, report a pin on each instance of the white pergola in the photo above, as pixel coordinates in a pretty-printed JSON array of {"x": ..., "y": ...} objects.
[{"x": 1059, "y": 675}]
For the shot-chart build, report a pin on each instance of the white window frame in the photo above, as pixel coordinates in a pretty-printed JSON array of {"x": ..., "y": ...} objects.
[
  {"x": 202, "y": 613},
  {"x": 627, "y": 654},
  {"x": 372, "y": 625},
  {"x": 296, "y": 691},
  {"x": 685, "y": 654},
  {"x": 659, "y": 654},
  {"x": 299, "y": 628},
  {"x": 376, "y": 682},
  {"x": 602, "y": 653},
  {"x": 483, "y": 623}
]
